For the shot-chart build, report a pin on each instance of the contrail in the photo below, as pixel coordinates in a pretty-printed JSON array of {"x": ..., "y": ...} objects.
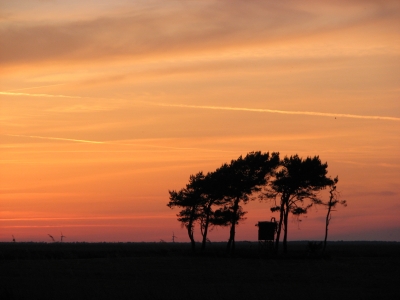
[
  {"x": 286, "y": 112},
  {"x": 39, "y": 95},
  {"x": 261, "y": 110},
  {"x": 55, "y": 138},
  {"x": 115, "y": 143}
]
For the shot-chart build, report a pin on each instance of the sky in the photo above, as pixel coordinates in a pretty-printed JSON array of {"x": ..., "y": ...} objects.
[{"x": 106, "y": 105}]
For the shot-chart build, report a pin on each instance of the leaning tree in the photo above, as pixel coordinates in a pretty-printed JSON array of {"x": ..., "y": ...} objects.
[
  {"x": 240, "y": 179},
  {"x": 212, "y": 196},
  {"x": 295, "y": 188},
  {"x": 202, "y": 193},
  {"x": 215, "y": 199},
  {"x": 190, "y": 199},
  {"x": 331, "y": 205}
]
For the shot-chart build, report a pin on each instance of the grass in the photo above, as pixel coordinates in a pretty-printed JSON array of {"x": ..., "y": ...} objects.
[{"x": 363, "y": 270}]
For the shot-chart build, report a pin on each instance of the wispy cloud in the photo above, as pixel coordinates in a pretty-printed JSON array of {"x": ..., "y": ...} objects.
[
  {"x": 55, "y": 138},
  {"x": 34, "y": 87},
  {"x": 385, "y": 193},
  {"x": 285, "y": 112},
  {"x": 229, "y": 108},
  {"x": 119, "y": 143},
  {"x": 368, "y": 164},
  {"x": 66, "y": 225},
  {"x": 38, "y": 95},
  {"x": 83, "y": 218},
  {"x": 147, "y": 28},
  {"x": 168, "y": 147},
  {"x": 79, "y": 108}
]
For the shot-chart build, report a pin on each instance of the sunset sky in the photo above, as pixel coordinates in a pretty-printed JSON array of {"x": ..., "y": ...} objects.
[{"x": 106, "y": 105}]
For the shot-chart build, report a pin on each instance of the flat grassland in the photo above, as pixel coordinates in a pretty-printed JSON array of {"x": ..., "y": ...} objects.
[{"x": 350, "y": 270}]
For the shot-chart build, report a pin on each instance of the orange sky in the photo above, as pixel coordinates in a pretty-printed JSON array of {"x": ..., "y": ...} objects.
[{"x": 107, "y": 105}]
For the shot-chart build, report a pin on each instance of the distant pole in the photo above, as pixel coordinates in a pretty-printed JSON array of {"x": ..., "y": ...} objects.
[
  {"x": 173, "y": 237},
  {"x": 62, "y": 236}
]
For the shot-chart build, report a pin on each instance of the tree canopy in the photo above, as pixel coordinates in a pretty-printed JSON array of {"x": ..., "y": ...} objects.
[
  {"x": 296, "y": 181},
  {"x": 214, "y": 199},
  {"x": 189, "y": 198},
  {"x": 241, "y": 178},
  {"x": 217, "y": 198}
]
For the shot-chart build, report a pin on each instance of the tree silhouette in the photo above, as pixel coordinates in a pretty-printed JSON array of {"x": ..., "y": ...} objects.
[
  {"x": 197, "y": 199},
  {"x": 212, "y": 196},
  {"x": 294, "y": 182},
  {"x": 190, "y": 198},
  {"x": 331, "y": 204},
  {"x": 239, "y": 180},
  {"x": 214, "y": 199}
]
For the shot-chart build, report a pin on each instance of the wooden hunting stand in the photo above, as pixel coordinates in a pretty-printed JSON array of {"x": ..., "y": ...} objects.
[{"x": 266, "y": 235}]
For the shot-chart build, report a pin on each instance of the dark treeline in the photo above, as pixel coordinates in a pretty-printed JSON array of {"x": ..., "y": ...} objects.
[{"x": 217, "y": 198}]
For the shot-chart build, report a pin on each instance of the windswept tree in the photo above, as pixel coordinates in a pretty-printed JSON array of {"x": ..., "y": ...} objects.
[
  {"x": 215, "y": 199},
  {"x": 296, "y": 181},
  {"x": 239, "y": 180},
  {"x": 190, "y": 199},
  {"x": 331, "y": 205},
  {"x": 212, "y": 197},
  {"x": 197, "y": 200}
]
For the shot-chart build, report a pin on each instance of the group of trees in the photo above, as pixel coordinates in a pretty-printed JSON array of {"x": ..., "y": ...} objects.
[{"x": 217, "y": 198}]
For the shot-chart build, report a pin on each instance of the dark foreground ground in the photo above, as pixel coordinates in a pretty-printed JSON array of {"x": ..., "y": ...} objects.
[{"x": 361, "y": 270}]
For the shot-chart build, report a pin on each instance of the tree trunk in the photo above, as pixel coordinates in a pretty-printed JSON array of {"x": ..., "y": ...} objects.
[
  {"x": 328, "y": 218},
  {"x": 331, "y": 204},
  {"x": 203, "y": 244},
  {"x": 278, "y": 232},
  {"x": 285, "y": 221},
  {"x": 231, "y": 242},
  {"x": 190, "y": 229},
  {"x": 191, "y": 236}
]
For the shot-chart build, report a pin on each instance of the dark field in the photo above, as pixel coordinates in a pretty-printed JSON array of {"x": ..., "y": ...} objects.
[{"x": 359, "y": 270}]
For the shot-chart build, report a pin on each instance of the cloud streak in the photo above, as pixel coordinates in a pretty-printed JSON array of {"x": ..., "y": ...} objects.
[
  {"x": 229, "y": 108},
  {"x": 35, "y": 87},
  {"x": 130, "y": 217},
  {"x": 55, "y": 138},
  {"x": 285, "y": 112},
  {"x": 38, "y": 95},
  {"x": 116, "y": 143},
  {"x": 165, "y": 27}
]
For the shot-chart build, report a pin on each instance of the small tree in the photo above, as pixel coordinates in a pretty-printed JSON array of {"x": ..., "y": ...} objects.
[
  {"x": 331, "y": 204},
  {"x": 197, "y": 199},
  {"x": 190, "y": 199},
  {"x": 297, "y": 180}
]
